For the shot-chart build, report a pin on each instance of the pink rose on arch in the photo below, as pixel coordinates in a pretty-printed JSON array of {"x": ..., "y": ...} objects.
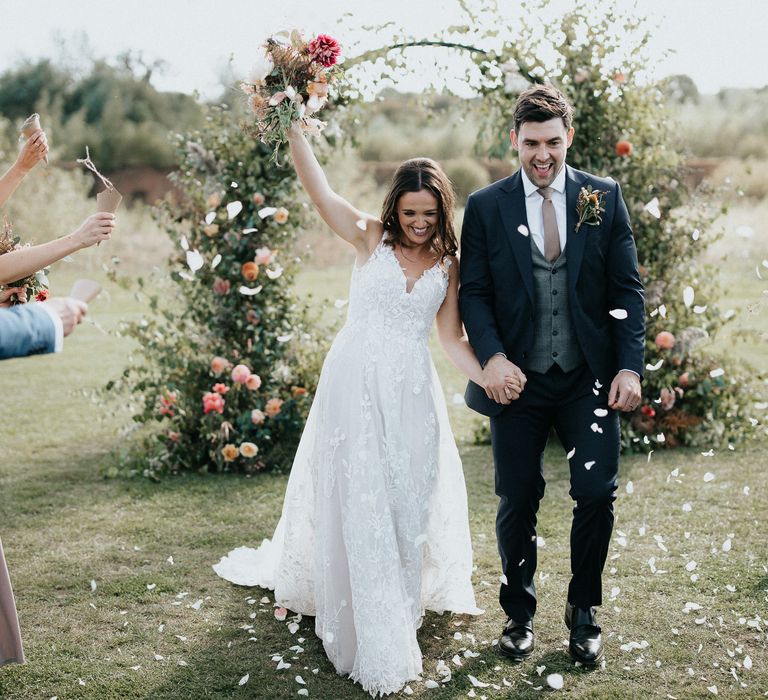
[
  {"x": 221, "y": 286},
  {"x": 213, "y": 402},
  {"x": 273, "y": 407},
  {"x": 240, "y": 374},
  {"x": 220, "y": 388},
  {"x": 219, "y": 364},
  {"x": 257, "y": 416},
  {"x": 253, "y": 382},
  {"x": 263, "y": 256}
]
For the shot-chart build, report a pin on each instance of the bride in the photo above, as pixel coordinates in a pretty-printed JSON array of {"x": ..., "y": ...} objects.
[{"x": 374, "y": 527}]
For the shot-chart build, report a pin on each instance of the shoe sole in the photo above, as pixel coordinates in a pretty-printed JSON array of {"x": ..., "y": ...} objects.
[{"x": 584, "y": 662}]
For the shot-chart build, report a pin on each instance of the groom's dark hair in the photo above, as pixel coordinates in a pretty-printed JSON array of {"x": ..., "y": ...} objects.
[{"x": 540, "y": 103}]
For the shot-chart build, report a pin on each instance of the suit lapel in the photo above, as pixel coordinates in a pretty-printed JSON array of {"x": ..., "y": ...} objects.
[
  {"x": 575, "y": 240},
  {"x": 513, "y": 215}
]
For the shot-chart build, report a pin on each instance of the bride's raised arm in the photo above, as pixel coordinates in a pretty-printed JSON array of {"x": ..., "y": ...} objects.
[{"x": 362, "y": 230}]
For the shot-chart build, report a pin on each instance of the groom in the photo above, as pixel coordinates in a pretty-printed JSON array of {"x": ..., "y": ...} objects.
[{"x": 536, "y": 292}]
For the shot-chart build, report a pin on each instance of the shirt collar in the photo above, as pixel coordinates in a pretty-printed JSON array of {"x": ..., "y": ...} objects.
[{"x": 558, "y": 184}]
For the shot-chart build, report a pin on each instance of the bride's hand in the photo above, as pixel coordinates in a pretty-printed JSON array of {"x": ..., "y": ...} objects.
[{"x": 95, "y": 229}]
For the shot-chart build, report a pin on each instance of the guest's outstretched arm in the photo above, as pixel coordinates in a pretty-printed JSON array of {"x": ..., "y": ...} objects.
[{"x": 34, "y": 150}]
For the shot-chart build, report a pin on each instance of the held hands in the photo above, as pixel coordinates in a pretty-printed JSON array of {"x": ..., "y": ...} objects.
[
  {"x": 6, "y": 294},
  {"x": 625, "y": 393},
  {"x": 95, "y": 229},
  {"x": 503, "y": 381},
  {"x": 34, "y": 150}
]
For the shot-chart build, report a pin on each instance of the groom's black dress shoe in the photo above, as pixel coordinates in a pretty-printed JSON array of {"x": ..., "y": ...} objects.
[
  {"x": 586, "y": 642},
  {"x": 517, "y": 641}
]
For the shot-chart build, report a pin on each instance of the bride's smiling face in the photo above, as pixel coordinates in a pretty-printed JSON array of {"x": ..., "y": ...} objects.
[{"x": 418, "y": 215}]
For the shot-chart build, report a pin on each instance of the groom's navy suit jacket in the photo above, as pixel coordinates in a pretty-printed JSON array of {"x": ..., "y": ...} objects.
[
  {"x": 497, "y": 287},
  {"x": 25, "y": 330}
]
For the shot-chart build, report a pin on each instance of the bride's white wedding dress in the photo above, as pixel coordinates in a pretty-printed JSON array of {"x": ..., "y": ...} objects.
[{"x": 374, "y": 527}]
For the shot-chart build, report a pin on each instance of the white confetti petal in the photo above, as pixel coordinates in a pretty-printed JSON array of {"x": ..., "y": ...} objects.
[
  {"x": 748, "y": 662},
  {"x": 727, "y": 545},
  {"x": 267, "y": 211},
  {"x": 246, "y": 231},
  {"x": 719, "y": 372},
  {"x": 523, "y": 229},
  {"x": 589, "y": 465},
  {"x": 233, "y": 209},
  {"x": 653, "y": 368},
  {"x": 303, "y": 692},
  {"x": 696, "y": 234},
  {"x": 712, "y": 689},
  {"x": 184, "y": 243},
  {"x": 151, "y": 586},
  {"x": 431, "y": 684},
  {"x": 477, "y": 683},
  {"x": 503, "y": 579},
  {"x": 699, "y": 309},
  {"x": 197, "y": 604},
  {"x": 619, "y": 314},
  {"x": 300, "y": 680},
  {"x": 244, "y": 679},
  {"x": 458, "y": 400},
  {"x": 653, "y": 208},
  {"x": 340, "y": 303},
  {"x": 215, "y": 262},
  {"x": 601, "y": 412},
  {"x": 709, "y": 476},
  {"x": 555, "y": 681},
  {"x": 361, "y": 224},
  {"x": 630, "y": 487},
  {"x": 249, "y": 292},
  {"x": 688, "y": 295},
  {"x": 274, "y": 274},
  {"x": 570, "y": 454},
  {"x": 93, "y": 585},
  {"x": 284, "y": 338},
  {"x": 194, "y": 260},
  {"x": 209, "y": 217}
]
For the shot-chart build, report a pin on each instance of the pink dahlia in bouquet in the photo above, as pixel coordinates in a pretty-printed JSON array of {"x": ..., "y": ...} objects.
[{"x": 290, "y": 82}]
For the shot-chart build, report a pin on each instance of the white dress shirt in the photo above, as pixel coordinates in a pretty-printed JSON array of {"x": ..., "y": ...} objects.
[{"x": 534, "y": 202}]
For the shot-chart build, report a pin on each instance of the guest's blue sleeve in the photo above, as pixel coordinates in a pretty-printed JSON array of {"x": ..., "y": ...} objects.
[{"x": 26, "y": 330}]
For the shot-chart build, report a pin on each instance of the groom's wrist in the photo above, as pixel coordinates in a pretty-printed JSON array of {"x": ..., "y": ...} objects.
[{"x": 496, "y": 354}]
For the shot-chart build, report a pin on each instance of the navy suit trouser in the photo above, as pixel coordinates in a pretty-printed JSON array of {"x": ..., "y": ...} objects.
[{"x": 565, "y": 401}]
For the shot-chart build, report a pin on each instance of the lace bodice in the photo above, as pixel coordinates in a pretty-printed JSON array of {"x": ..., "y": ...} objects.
[{"x": 380, "y": 301}]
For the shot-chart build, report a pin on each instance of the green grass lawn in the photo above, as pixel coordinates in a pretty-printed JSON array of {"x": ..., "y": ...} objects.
[{"x": 157, "y": 623}]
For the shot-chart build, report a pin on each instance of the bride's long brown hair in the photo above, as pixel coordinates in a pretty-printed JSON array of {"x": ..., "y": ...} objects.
[{"x": 412, "y": 176}]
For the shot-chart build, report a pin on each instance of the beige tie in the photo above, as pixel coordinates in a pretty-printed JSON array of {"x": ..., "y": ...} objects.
[{"x": 551, "y": 236}]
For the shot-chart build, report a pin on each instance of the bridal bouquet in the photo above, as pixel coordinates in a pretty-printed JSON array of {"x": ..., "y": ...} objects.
[
  {"x": 36, "y": 283},
  {"x": 290, "y": 83}
]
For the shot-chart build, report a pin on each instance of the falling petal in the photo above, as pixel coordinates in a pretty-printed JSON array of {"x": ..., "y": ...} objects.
[
  {"x": 503, "y": 579},
  {"x": 300, "y": 680},
  {"x": 274, "y": 274},
  {"x": 719, "y": 372},
  {"x": 93, "y": 585},
  {"x": 267, "y": 211},
  {"x": 748, "y": 662},
  {"x": 570, "y": 454},
  {"x": 727, "y": 545},
  {"x": 184, "y": 243},
  {"x": 247, "y": 291},
  {"x": 250, "y": 230},
  {"x": 233, "y": 209},
  {"x": 653, "y": 208},
  {"x": 688, "y": 295},
  {"x": 284, "y": 338},
  {"x": 695, "y": 235},
  {"x": 709, "y": 476},
  {"x": 653, "y": 368},
  {"x": 361, "y": 224},
  {"x": 522, "y": 228},
  {"x": 620, "y": 314},
  {"x": 663, "y": 311},
  {"x": 194, "y": 260},
  {"x": 244, "y": 679},
  {"x": 209, "y": 217},
  {"x": 215, "y": 262},
  {"x": 477, "y": 683},
  {"x": 431, "y": 684},
  {"x": 699, "y": 309},
  {"x": 601, "y": 412},
  {"x": 186, "y": 276},
  {"x": 630, "y": 487},
  {"x": 589, "y": 465}
]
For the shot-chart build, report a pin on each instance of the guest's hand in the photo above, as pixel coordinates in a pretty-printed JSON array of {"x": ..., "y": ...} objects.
[
  {"x": 625, "y": 392},
  {"x": 33, "y": 151},
  {"x": 6, "y": 294},
  {"x": 503, "y": 380},
  {"x": 95, "y": 229},
  {"x": 71, "y": 311}
]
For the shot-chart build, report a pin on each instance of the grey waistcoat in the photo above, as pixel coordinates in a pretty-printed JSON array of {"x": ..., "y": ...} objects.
[{"x": 554, "y": 338}]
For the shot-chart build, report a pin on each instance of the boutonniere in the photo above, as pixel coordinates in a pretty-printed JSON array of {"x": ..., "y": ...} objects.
[{"x": 589, "y": 207}]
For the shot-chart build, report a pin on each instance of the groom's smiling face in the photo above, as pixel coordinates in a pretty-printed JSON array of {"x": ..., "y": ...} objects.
[{"x": 542, "y": 147}]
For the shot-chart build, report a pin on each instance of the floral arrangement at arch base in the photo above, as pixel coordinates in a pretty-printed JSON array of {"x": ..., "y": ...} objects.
[
  {"x": 290, "y": 82},
  {"x": 228, "y": 361}
]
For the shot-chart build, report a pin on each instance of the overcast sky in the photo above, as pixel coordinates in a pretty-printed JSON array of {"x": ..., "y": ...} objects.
[{"x": 718, "y": 43}]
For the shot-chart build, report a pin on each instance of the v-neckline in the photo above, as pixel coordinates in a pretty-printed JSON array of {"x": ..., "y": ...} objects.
[{"x": 403, "y": 271}]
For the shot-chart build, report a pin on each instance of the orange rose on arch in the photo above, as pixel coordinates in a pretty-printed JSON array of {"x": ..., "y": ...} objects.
[
  {"x": 250, "y": 270},
  {"x": 665, "y": 340},
  {"x": 273, "y": 407},
  {"x": 230, "y": 453},
  {"x": 623, "y": 148}
]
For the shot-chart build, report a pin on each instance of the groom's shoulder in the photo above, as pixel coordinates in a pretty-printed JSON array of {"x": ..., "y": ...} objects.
[
  {"x": 597, "y": 182},
  {"x": 494, "y": 189}
]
